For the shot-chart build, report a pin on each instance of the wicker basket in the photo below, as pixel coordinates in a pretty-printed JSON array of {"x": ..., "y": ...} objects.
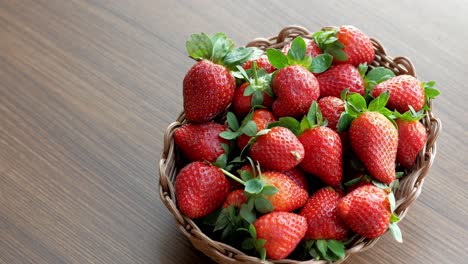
[{"x": 410, "y": 185}]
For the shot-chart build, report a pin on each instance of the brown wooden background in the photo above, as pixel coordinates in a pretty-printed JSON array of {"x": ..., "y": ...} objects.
[{"x": 88, "y": 87}]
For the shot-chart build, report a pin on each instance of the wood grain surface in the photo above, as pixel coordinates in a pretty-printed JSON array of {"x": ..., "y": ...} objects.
[{"x": 88, "y": 87}]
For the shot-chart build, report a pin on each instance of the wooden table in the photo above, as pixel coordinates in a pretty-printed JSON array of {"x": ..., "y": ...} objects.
[{"x": 88, "y": 87}]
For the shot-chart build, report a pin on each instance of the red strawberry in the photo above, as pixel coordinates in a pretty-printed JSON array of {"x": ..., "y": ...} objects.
[
  {"x": 412, "y": 137},
  {"x": 208, "y": 90},
  {"x": 289, "y": 197},
  {"x": 242, "y": 104},
  {"x": 235, "y": 198},
  {"x": 298, "y": 177},
  {"x": 366, "y": 211},
  {"x": 200, "y": 188},
  {"x": 262, "y": 118},
  {"x": 296, "y": 88},
  {"x": 262, "y": 63},
  {"x": 282, "y": 231},
  {"x": 322, "y": 216},
  {"x": 312, "y": 48},
  {"x": 279, "y": 150},
  {"x": 200, "y": 141},
  {"x": 331, "y": 108},
  {"x": 340, "y": 77},
  {"x": 405, "y": 90}
]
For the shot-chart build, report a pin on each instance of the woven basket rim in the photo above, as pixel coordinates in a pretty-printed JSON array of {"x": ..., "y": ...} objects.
[{"x": 409, "y": 190}]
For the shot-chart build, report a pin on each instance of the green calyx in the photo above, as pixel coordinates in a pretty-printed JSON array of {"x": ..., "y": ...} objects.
[
  {"x": 430, "y": 92},
  {"x": 219, "y": 49},
  {"x": 355, "y": 104},
  {"x": 297, "y": 56},
  {"x": 410, "y": 115},
  {"x": 253, "y": 242},
  {"x": 259, "y": 82},
  {"x": 394, "y": 219},
  {"x": 330, "y": 250},
  {"x": 328, "y": 43},
  {"x": 373, "y": 77}
]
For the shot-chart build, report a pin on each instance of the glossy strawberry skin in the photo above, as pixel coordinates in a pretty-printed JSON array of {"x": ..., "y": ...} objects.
[
  {"x": 242, "y": 105},
  {"x": 405, "y": 90},
  {"x": 262, "y": 118},
  {"x": 322, "y": 216},
  {"x": 200, "y": 142},
  {"x": 339, "y": 77},
  {"x": 262, "y": 63},
  {"x": 412, "y": 137},
  {"x": 366, "y": 211},
  {"x": 278, "y": 150},
  {"x": 357, "y": 46},
  {"x": 235, "y": 198},
  {"x": 374, "y": 139},
  {"x": 282, "y": 231},
  {"x": 200, "y": 189},
  {"x": 331, "y": 108},
  {"x": 296, "y": 88},
  {"x": 208, "y": 90},
  {"x": 298, "y": 176},
  {"x": 323, "y": 154},
  {"x": 312, "y": 48},
  {"x": 289, "y": 197}
]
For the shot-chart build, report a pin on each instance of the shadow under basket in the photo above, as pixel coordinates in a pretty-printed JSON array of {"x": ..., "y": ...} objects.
[{"x": 410, "y": 184}]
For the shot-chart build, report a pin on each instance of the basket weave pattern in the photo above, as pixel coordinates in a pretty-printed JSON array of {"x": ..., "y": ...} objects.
[{"x": 410, "y": 185}]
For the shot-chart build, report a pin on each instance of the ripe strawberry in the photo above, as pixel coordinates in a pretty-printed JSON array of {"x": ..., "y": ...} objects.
[
  {"x": 294, "y": 84},
  {"x": 298, "y": 176},
  {"x": 331, "y": 108},
  {"x": 235, "y": 198},
  {"x": 262, "y": 118},
  {"x": 351, "y": 46},
  {"x": 289, "y": 197},
  {"x": 279, "y": 150},
  {"x": 322, "y": 146},
  {"x": 322, "y": 216},
  {"x": 405, "y": 91},
  {"x": 262, "y": 62},
  {"x": 208, "y": 86},
  {"x": 296, "y": 88},
  {"x": 242, "y": 104},
  {"x": 312, "y": 48},
  {"x": 200, "y": 188},
  {"x": 200, "y": 141},
  {"x": 412, "y": 137},
  {"x": 282, "y": 231},
  {"x": 366, "y": 211},
  {"x": 340, "y": 77}
]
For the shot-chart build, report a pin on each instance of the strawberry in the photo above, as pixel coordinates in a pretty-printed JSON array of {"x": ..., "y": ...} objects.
[
  {"x": 405, "y": 91},
  {"x": 298, "y": 176},
  {"x": 200, "y": 142},
  {"x": 278, "y": 149},
  {"x": 256, "y": 91},
  {"x": 262, "y": 62},
  {"x": 235, "y": 198},
  {"x": 282, "y": 232},
  {"x": 200, "y": 189},
  {"x": 373, "y": 137},
  {"x": 294, "y": 84},
  {"x": 208, "y": 86},
  {"x": 290, "y": 196},
  {"x": 331, "y": 108},
  {"x": 322, "y": 216},
  {"x": 312, "y": 48},
  {"x": 366, "y": 211},
  {"x": 412, "y": 137},
  {"x": 339, "y": 77},
  {"x": 347, "y": 44},
  {"x": 262, "y": 118},
  {"x": 323, "y": 151}
]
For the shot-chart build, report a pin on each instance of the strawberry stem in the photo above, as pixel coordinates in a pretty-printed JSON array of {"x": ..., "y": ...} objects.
[
  {"x": 232, "y": 176},
  {"x": 254, "y": 67}
]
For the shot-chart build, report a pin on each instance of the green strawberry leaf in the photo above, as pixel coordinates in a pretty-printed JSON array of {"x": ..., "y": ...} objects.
[
  {"x": 379, "y": 74},
  {"x": 391, "y": 200},
  {"x": 221, "y": 47},
  {"x": 352, "y": 182},
  {"x": 262, "y": 252},
  {"x": 254, "y": 186},
  {"x": 357, "y": 102},
  {"x": 262, "y": 132},
  {"x": 260, "y": 243},
  {"x": 304, "y": 125},
  {"x": 250, "y": 128},
  {"x": 394, "y": 185},
  {"x": 248, "y": 243},
  {"x": 243, "y": 73},
  {"x": 221, "y": 161},
  {"x": 399, "y": 174},
  {"x": 245, "y": 175},
  {"x": 252, "y": 231},
  {"x": 394, "y": 218},
  {"x": 322, "y": 246},
  {"x": 362, "y": 68},
  {"x": 345, "y": 121},
  {"x": 269, "y": 190},
  {"x": 229, "y": 135},
  {"x": 222, "y": 220},
  {"x": 263, "y": 205},
  {"x": 429, "y": 90},
  {"x": 249, "y": 90},
  {"x": 396, "y": 232},
  {"x": 277, "y": 58},
  {"x": 232, "y": 121},
  {"x": 337, "y": 248},
  {"x": 382, "y": 186},
  {"x": 257, "y": 98},
  {"x": 240, "y": 55},
  {"x": 321, "y": 63},
  {"x": 287, "y": 122},
  {"x": 199, "y": 46},
  {"x": 226, "y": 148},
  {"x": 337, "y": 52},
  {"x": 247, "y": 214},
  {"x": 297, "y": 52},
  {"x": 379, "y": 103}
]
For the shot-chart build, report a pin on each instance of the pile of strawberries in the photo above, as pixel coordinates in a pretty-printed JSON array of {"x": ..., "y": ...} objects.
[{"x": 293, "y": 152}]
